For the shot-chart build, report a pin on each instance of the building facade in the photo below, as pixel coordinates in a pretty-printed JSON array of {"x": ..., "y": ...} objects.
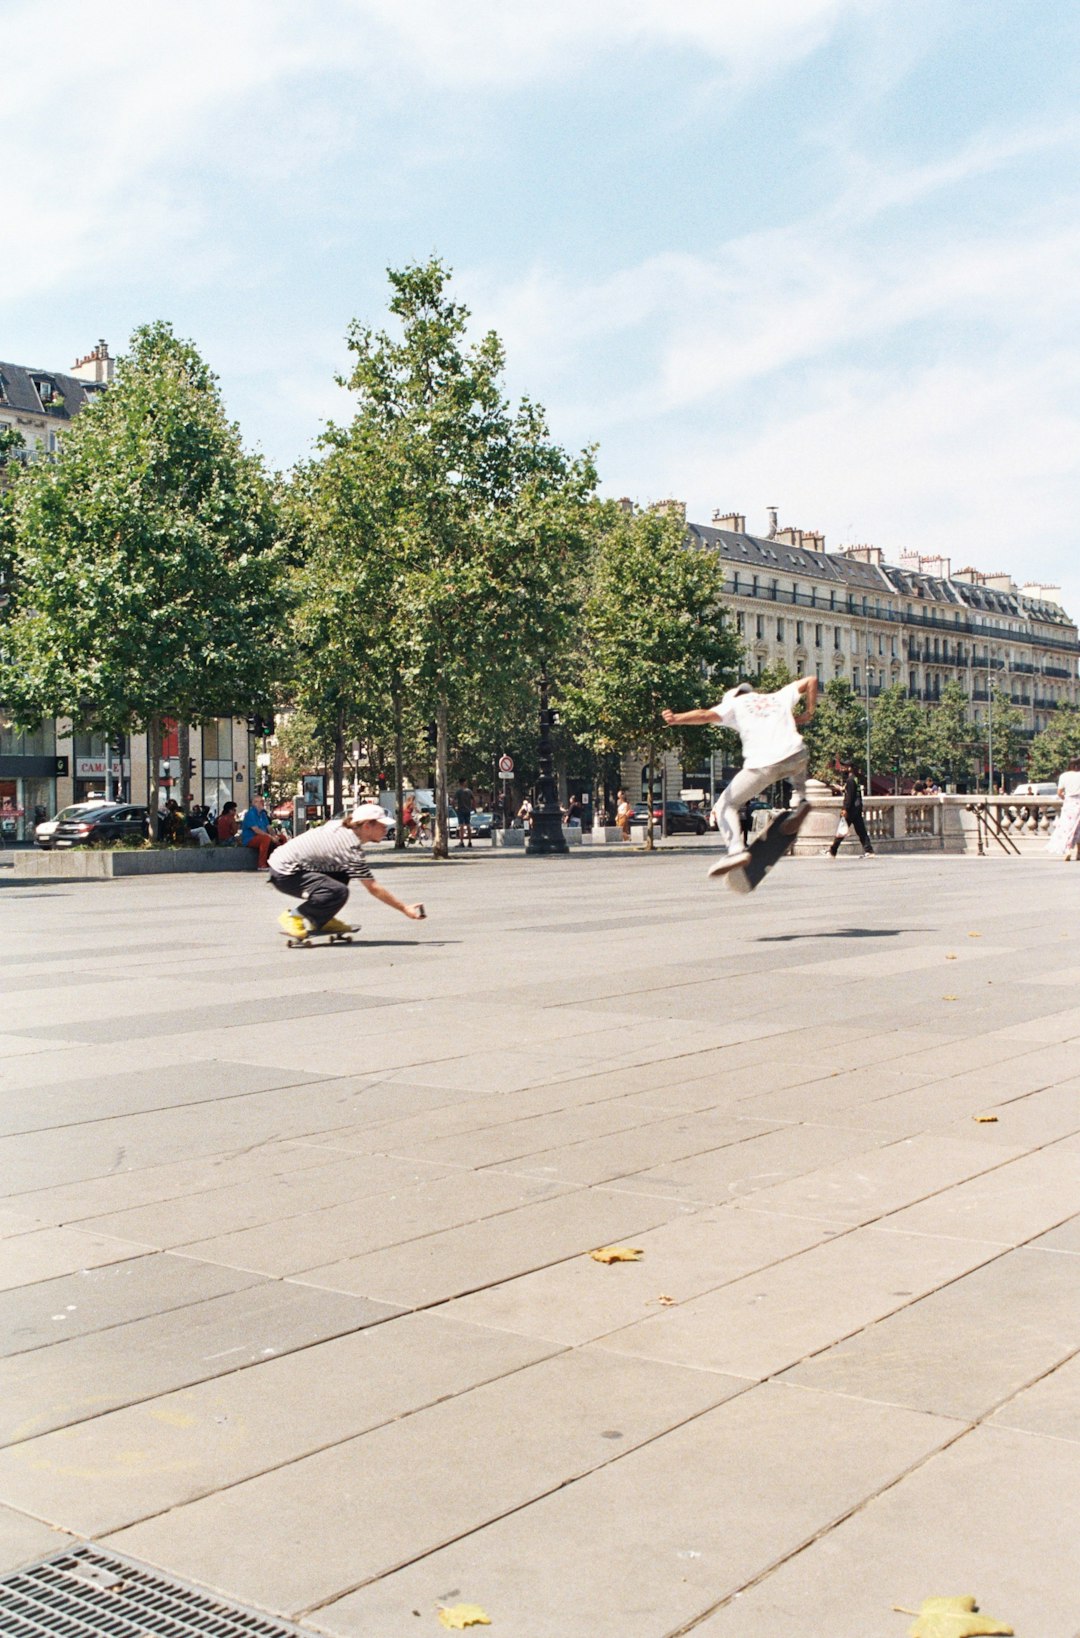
[{"x": 917, "y": 622}]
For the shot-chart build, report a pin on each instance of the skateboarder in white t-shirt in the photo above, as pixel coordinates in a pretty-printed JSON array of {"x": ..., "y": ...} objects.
[{"x": 773, "y": 748}]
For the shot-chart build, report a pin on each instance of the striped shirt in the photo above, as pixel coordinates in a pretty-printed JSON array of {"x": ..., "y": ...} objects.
[{"x": 331, "y": 849}]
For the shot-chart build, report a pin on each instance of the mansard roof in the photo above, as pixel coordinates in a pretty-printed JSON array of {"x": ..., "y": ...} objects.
[{"x": 19, "y": 392}]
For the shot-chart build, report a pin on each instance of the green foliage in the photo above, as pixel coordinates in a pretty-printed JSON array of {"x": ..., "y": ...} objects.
[
  {"x": 949, "y": 735},
  {"x": 771, "y": 678},
  {"x": 480, "y": 521},
  {"x": 898, "y": 733},
  {"x": 654, "y": 633},
  {"x": 836, "y": 734},
  {"x": 1057, "y": 745},
  {"x": 145, "y": 557},
  {"x": 1006, "y": 753}
]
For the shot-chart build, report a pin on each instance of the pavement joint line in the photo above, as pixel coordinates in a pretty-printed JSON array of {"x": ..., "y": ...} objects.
[
  {"x": 826, "y": 1529},
  {"x": 519, "y": 1507}
]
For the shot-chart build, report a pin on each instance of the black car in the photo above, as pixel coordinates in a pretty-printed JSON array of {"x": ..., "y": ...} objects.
[
  {"x": 111, "y": 822},
  {"x": 680, "y": 818}
]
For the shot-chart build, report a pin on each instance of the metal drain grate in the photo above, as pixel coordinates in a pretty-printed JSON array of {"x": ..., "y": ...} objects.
[{"x": 89, "y": 1594}]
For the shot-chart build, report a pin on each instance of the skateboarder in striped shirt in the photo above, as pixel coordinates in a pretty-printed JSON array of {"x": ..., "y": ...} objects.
[
  {"x": 773, "y": 749},
  {"x": 318, "y": 866}
]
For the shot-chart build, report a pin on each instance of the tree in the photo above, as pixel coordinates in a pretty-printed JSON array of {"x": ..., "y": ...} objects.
[
  {"x": 836, "y": 734},
  {"x": 1005, "y": 737},
  {"x": 654, "y": 633},
  {"x": 949, "y": 736},
  {"x": 1057, "y": 745},
  {"x": 897, "y": 733},
  {"x": 484, "y": 520},
  {"x": 146, "y": 559}
]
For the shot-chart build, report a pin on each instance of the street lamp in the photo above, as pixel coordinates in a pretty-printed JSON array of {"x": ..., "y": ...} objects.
[{"x": 546, "y": 835}]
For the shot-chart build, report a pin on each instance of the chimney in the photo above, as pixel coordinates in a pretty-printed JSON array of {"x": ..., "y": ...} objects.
[
  {"x": 772, "y": 523},
  {"x": 1041, "y": 593},
  {"x": 938, "y": 566},
  {"x": 788, "y": 536},
  {"x": 910, "y": 561},
  {"x": 96, "y": 366},
  {"x": 814, "y": 541},
  {"x": 625, "y": 504},
  {"x": 670, "y": 508},
  {"x": 1000, "y": 582},
  {"x": 733, "y": 521},
  {"x": 865, "y": 554}
]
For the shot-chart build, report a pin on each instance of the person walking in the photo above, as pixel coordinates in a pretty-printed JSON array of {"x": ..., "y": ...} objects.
[
  {"x": 1066, "y": 832},
  {"x": 624, "y": 814},
  {"x": 318, "y": 866},
  {"x": 851, "y": 815},
  {"x": 464, "y": 804},
  {"x": 773, "y": 749}
]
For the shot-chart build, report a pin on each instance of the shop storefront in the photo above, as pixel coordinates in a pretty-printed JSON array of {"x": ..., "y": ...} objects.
[
  {"x": 90, "y": 761},
  {"x": 29, "y": 768}
]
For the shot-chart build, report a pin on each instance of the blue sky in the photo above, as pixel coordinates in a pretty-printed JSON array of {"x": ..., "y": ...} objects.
[{"x": 818, "y": 254}]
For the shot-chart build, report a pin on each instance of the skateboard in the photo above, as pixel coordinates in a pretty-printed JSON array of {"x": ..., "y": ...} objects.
[
  {"x": 297, "y": 939},
  {"x": 769, "y": 847}
]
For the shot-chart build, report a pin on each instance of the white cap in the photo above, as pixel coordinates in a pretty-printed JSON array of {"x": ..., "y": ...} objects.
[{"x": 371, "y": 810}]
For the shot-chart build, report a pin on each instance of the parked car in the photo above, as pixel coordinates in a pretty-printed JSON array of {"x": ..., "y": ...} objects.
[
  {"x": 680, "y": 818},
  {"x": 108, "y": 822},
  {"x": 44, "y": 833},
  {"x": 482, "y": 824},
  {"x": 1044, "y": 787}
]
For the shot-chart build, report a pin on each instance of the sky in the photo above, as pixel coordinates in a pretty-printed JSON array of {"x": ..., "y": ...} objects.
[{"x": 822, "y": 255}]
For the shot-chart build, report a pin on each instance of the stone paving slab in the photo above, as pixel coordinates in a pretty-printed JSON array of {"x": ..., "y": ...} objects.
[
  {"x": 651, "y": 1541},
  {"x": 133, "y": 1463},
  {"x": 24, "y": 1540},
  {"x": 964, "y": 1349},
  {"x": 34, "y": 1316},
  {"x": 44, "y": 1254},
  {"x": 99, "y": 1371},
  {"x": 996, "y": 1515},
  {"x": 447, "y": 1470}
]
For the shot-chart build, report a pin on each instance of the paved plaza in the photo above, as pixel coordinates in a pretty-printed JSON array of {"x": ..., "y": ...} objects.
[{"x": 295, "y": 1295}]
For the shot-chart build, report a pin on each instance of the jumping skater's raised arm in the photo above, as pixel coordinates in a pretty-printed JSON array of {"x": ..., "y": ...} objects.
[
  {"x": 808, "y": 692},
  {"x": 704, "y": 714}
]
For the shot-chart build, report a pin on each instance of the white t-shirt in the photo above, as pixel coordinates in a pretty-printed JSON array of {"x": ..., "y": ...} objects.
[
  {"x": 764, "y": 723},
  {"x": 1069, "y": 782}
]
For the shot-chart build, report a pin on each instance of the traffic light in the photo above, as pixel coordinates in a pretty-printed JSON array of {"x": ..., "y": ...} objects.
[
  {"x": 191, "y": 767},
  {"x": 261, "y": 724}
]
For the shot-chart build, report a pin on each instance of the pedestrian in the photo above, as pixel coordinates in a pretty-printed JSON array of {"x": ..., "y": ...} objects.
[
  {"x": 525, "y": 814},
  {"x": 851, "y": 815},
  {"x": 773, "y": 749},
  {"x": 1066, "y": 832},
  {"x": 255, "y": 832},
  {"x": 624, "y": 813},
  {"x": 464, "y": 805},
  {"x": 318, "y": 866},
  {"x": 227, "y": 825}
]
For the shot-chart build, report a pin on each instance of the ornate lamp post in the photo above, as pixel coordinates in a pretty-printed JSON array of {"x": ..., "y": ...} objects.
[{"x": 546, "y": 834}]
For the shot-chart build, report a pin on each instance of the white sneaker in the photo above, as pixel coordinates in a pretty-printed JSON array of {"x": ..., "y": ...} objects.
[{"x": 730, "y": 861}]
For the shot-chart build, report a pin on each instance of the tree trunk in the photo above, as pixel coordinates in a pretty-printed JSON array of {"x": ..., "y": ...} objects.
[
  {"x": 183, "y": 738},
  {"x": 441, "y": 848},
  {"x": 339, "y": 764},
  {"x": 649, "y": 831},
  {"x": 153, "y": 773},
  {"x": 399, "y": 771}
]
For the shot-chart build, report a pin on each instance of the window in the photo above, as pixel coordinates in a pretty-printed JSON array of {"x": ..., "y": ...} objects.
[
  {"x": 854, "y": 642},
  {"x": 817, "y": 670},
  {"x": 817, "y": 636},
  {"x": 913, "y": 684},
  {"x": 892, "y": 647},
  {"x": 779, "y": 628},
  {"x": 761, "y": 625},
  {"x": 799, "y": 631},
  {"x": 855, "y": 678},
  {"x": 754, "y": 586},
  {"x": 880, "y": 644},
  {"x": 740, "y": 623}
]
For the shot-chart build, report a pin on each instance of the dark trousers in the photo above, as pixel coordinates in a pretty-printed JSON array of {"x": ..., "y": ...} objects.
[
  {"x": 855, "y": 823},
  {"x": 323, "y": 895}
]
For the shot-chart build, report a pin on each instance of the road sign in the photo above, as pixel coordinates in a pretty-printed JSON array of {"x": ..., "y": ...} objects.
[{"x": 506, "y": 767}]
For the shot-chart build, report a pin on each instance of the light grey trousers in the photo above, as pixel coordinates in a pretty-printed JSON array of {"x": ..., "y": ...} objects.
[{"x": 750, "y": 782}]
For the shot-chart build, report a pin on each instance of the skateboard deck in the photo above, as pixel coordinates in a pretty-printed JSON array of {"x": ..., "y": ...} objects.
[
  {"x": 296, "y": 940},
  {"x": 769, "y": 847}
]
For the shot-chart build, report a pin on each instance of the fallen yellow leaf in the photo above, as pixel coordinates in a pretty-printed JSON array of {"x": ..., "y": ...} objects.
[
  {"x": 985, "y": 1120},
  {"x": 974, "y": 935},
  {"x": 616, "y": 1254},
  {"x": 665, "y": 1301},
  {"x": 950, "y": 958},
  {"x": 950, "y": 998},
  {"x": 464, "y": 1615},
  {"x": 953, "y": 1618}
]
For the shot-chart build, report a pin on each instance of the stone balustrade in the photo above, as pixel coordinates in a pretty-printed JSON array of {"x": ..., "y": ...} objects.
[{"x": 935, "y": 824}]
